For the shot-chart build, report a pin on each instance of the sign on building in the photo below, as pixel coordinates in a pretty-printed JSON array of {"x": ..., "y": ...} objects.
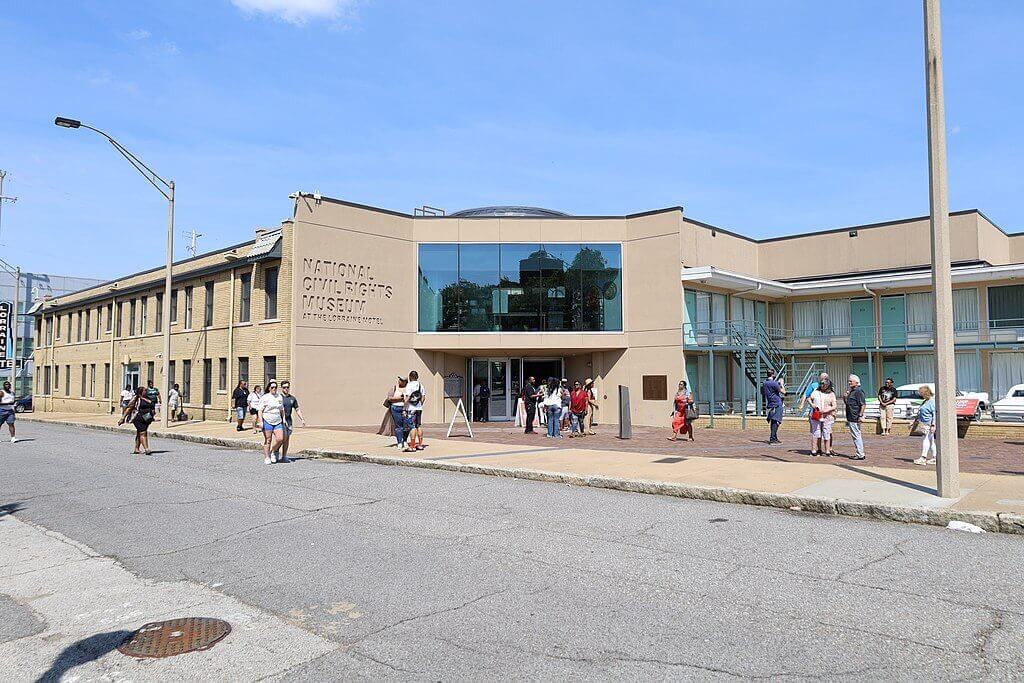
[
  {"x": 453, "y": 386},
  {"x": 5, "y": 330}
]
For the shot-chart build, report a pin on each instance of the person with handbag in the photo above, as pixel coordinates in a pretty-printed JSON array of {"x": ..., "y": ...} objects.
[
  {"x": 139, "y": 412},
  {"x": 823, "y": 415},
  {"x": 773, "y": 390},
  {"x": 683, "y": 408}
]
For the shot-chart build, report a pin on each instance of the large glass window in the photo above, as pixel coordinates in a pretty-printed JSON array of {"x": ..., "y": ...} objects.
[
  {"x": 1006, "y": 306},
  {"x": 520, "y": 287}
]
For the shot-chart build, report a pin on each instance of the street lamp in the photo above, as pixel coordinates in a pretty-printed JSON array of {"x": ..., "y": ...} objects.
[{"x": 166, "y": 188}]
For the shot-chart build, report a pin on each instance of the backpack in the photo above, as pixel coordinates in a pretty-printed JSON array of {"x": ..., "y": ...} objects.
[{"x": 416, "y": 396}]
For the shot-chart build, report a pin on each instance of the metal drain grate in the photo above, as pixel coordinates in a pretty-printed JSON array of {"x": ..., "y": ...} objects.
[{"x": 174, "y": 637}]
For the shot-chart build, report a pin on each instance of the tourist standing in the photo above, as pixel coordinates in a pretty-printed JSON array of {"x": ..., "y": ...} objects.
[
  {"x": 886, "y": 403},
  {"x": 855, "y": 405},
  {"x": 680, "y": 420},
  {"x": 588, "y": 384},
  {"x": 811, "y": 388},
  {"x": 553, "y": 408},
  {"x": 289, "y": 403},
  {"x": 530, "y": 396},
  {"x": 578, "y": 410},
  {"x": 415, "y": 396},
  {"x": 139, "y": 412},
  {"x": 7, "y": 400},
  {"x": 564, "y": 392},
  {"x": 772, "y": 391},
  {"x": 253, "y": 401},
  {"x": 174, "y": 405},
  {"x": 926, "y": 418},
  {"x": 823, "y": 416},
  {"x": 396, "y": 407},
  {"x": 153, "y": 394},
  {"x": 240, "y": 401},
  {"x": 270, "y": 415}
]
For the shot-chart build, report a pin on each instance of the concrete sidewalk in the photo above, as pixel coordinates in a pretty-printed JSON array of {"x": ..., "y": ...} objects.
[{"x": 992, "y": 501}]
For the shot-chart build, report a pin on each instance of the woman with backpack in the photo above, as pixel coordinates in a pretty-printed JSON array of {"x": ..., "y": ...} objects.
[{"x": 139, "y": 412}]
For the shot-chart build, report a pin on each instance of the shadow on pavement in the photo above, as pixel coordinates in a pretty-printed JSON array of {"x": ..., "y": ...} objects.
[
  {"x": 10, "y": 508},
  {"x": 891, "y": 480},
  {"x": 82, "y": 652}
]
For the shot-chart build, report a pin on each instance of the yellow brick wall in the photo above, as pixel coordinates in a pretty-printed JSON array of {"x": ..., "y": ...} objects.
[{"x": 254, "y": 340}]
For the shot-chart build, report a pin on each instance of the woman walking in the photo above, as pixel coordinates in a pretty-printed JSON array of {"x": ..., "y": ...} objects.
[
  {"x": 823, "y": 416},
  {"x": 926, "y": 418},
  {"x": 253, "y": 401},
  {"x": 680, "y": 423},
  {"x": 139, "y": 412},
  {"x": 553, "y": 408},
  {"x": 270, "y": 415}
]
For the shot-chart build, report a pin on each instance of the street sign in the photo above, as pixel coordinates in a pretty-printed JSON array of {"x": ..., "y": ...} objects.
[{"x": 5, "y": 328}]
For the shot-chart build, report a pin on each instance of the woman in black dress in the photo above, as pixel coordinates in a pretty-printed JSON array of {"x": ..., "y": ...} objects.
[{"x": 139, "y": 412}]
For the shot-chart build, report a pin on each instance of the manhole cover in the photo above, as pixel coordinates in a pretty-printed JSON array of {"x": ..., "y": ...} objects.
[{"x": 174, "y": 637}]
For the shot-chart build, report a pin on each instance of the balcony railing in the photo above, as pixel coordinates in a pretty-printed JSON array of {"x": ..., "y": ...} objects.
[{"x": 732, "y": 333}]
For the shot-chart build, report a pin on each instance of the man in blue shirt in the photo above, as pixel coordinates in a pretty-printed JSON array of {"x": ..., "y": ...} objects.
[{"x": 773, "y": 390}]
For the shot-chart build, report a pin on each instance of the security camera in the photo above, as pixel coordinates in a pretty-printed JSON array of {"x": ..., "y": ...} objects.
[{"x": 294, "y": 195}]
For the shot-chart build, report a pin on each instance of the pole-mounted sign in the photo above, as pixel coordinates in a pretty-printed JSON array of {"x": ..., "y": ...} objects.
[{"x": 5, "y": 330}]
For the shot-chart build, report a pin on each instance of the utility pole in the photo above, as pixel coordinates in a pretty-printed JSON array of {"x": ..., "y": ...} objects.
[
  {"x": 3, "y": 198},
  {"x": 193, "y": 245},
  {"x": 948, "y": 467},
  {"x": 15, "y": 318}
]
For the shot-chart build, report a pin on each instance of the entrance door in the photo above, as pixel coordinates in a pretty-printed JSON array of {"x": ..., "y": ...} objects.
[
  {"x": 499, "y": 407},
  {"x": 867, "y": 382},
  {"x": 862, "y": 323},
  {"x": 496, "y": 375},
  {"x": 131, "y": 375},
  {"x": 894, "y": 321},
  {"x": 896, "y": 368}
]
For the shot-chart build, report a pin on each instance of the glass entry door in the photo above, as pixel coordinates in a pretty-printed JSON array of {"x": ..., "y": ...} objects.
[
  {"x": 131, "y": 375},
  {"x": 495, "y": 375}
]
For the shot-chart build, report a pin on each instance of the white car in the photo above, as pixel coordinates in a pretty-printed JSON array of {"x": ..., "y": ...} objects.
[
  {"x": 908, "y": 401},
  {"x": 1011, "y": 406}
]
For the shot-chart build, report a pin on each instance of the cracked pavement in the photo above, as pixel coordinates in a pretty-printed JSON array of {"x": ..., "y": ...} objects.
[{"x": 407, "y": 574}]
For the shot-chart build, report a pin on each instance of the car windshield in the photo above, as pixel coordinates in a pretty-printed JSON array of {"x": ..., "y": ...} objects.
[
  {"x": 908, "y": 394},
  {"x": 1018, "y": 393}
]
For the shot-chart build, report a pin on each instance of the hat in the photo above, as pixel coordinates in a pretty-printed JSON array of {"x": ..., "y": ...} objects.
[
  {"x": 588, "y": 380},
  {"x": 401, "y": 378}
]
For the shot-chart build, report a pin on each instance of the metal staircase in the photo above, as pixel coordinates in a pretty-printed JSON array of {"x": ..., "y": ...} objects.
[{"x": 754, "y": 349}]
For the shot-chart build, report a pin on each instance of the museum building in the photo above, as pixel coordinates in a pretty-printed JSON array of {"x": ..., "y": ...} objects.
[{"x": 342, "y": 298}]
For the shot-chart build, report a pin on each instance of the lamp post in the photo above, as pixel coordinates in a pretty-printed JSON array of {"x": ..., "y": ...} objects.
[
  {"x": 948, "y": 467},
  {"x": 166, "y": 188}
]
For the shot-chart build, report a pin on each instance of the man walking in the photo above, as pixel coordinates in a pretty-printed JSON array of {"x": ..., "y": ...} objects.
[
  {"x": 530, "y": 395},
  {"x": 240, "y": 401},
  {"x": 773, "y": 390},
  {"x": 886, "y": 401},
  {"x": 855, "y": 404},
  {"x": 289, "y": 403},
  {"x": 153, "y": 394}
]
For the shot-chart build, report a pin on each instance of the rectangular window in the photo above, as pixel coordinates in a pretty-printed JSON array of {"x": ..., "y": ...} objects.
[
  {"x": 117, "y": 323},
  {"x": 78, "y": 326},
  {"x": 142, "y": 314},
  {"x": 56, "y": 378},
  {"x": 49, "y": 332},
  {"x": 67, "y": 380},
  {"x": 83, "y": 380},
  {"x": 270, "y": 287},
  {"x": 159, "y": 312},
  {"x": 170, "y": 374},
  {"x": 174, "y": 306},
  {"x": 131, "y": 318},
  {"x": 106, "y": 380},
  {"x": 186, "y": 380},
  {"x": 518, "y": 287},
  {"x": 99, "y": 322},
  {"x": 110, "y": 316},
  {"x": 46, "y": 379},
  {"x": 1006, "y": 306},
  {"x": 208, "y": 305},
  {"x": 245, "y": 300},
  {"x": 88, "y": 323},
  {"x": 222, "y": 375},
  {"x": 150, "y": 371},
  {"x": 207, "y": 381},
  {"x": 188, "y": 307},
  {"x": 269, "y": 369},
  {"x": 92, "y": 380},
  {"x": 243, "y": 369},
  {"x": 965, "y": 310},
  {"x": 58, "y": 318}
]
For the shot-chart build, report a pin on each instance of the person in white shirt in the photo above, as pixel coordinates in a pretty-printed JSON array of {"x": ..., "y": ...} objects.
[
  {"x": 271, "y": 417},
  {"x": 415, "y": 397},
  {"x": 7, "y": 400},
  {"x": 174, "y": 402},
  {"x": 254, "y": 407},
  {"x": 126, "y": 396}
]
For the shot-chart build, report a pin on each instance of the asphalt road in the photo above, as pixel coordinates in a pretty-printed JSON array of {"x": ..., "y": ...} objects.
[{"x": 420, "y": 574}]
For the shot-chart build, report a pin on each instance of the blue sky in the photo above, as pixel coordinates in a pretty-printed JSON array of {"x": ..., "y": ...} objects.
[{"x": 762, "y": 117}]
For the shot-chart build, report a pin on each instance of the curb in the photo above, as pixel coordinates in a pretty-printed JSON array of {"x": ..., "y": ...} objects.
[{"x": 999, "y": 522}]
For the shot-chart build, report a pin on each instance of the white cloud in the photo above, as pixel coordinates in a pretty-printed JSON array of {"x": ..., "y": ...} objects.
[
  {"x": 297, "y": 11},
  {"x": 139, "y": 34}
]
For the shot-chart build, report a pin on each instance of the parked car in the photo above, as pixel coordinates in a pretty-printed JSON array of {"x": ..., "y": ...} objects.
[
  {"x": 908, "y": 401},
  {"x": 22, "y": 404},
  {"x": 1011, "y": 406}
]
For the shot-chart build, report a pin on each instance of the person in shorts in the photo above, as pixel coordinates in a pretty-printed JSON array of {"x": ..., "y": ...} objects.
[
  {"x": 174, "y": 403},
  {"x": 253, "y": 401},
  {"x": 7, "y": 399},
  {"x": 415, "y": 397},
  {"x": 153, "y": 394},
  {"x": 139, "y": 412},
  {"x": 290, "y": 404},
  {"x": 240, "y": 402},
  {"x": 823, "y": 416},
  {"x": 270, "y": 415}
]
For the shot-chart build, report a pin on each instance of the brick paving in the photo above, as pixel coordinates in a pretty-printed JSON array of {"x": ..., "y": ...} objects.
[{"x": 979, "y": 455}]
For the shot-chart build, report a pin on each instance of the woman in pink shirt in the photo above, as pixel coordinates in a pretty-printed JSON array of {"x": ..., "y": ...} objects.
[{"x": 823, "y": 416}]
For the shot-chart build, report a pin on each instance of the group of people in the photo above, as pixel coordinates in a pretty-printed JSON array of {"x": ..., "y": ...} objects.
[
  {"x": 563, "y": 407},
  {"x": 822, "y": 403},
  {"x": 404, "y": 414},
  {"x": 271, "y": 413}
]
